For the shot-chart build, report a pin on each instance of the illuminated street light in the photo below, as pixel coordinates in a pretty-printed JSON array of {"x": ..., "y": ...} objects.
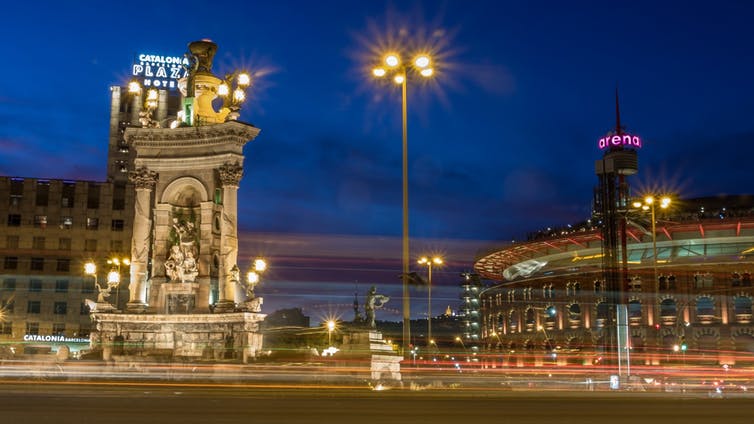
[
  {"x": 114, "y": 276},
  {"x": 330, "y": 329},
  {"x": 429, "y": 262},
  {"x": 400, "y": 73},
  {"x": 233, "y": 92},
  {"x": 649, "y": 204}
]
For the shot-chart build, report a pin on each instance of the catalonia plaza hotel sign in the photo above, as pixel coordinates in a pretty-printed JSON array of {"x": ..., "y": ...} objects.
[{"x": 159, "y": 71}]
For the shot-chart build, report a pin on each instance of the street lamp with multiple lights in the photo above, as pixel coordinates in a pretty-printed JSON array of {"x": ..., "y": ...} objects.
[
  {"x": 649, "y": 204},
  {"x": 330, "y": 329},
  {"x": 113, "y": 281},
  {"x": 393, "y": 65},
  {"x": 114, "y": 275},
  {"x": 429, "y": 262}
]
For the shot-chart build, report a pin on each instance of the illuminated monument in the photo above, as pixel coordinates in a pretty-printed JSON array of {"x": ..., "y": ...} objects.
[{"x": 186, "y": 295}]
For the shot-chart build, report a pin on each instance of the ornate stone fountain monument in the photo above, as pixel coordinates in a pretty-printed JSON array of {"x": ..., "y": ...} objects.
[{"x": 186, "y": 296}]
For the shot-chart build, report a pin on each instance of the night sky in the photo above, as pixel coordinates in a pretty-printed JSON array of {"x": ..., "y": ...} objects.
[{"x": 501, "y": 143}]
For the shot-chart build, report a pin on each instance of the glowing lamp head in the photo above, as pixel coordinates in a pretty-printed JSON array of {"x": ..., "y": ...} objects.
[
  {"x": 392, "y": 60},
  {"x": 113, "y": 277},
  {"x": 649, "y": 200},
  {"x": 427, "y": 72},
  {"x": 260, "y": 265},
  {"x": 252, "y": 277},
  {"x": 223, "y": 90},
  {"x": 134, "y": 87},
  {"x": 239, "y": 95},
  {"x": 379, "y": 72},
  {"x": 665, "y": 202},
  {"x": 152, "y": 94},
  {"x": 422, "y": 61},
  {"x": 331, "y": 325},
  {"x": 244, "y": 80},
  {"x": 399, "y": 79},
  {"x": 437, "y": 261},
  {"x": 90, "y": 268},
  {"x": 637, "y": 204}
]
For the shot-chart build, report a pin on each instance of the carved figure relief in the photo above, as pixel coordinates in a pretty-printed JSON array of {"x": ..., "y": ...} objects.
[{"x": 181, "y": 263}]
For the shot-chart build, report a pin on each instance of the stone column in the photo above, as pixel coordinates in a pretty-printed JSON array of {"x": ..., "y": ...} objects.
[
  {"x": 145, "y": 181},
  {"x": 230, "y": 176}
]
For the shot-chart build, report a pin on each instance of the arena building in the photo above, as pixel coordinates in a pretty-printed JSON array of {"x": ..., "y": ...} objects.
[{"x": 687, "y": 286}]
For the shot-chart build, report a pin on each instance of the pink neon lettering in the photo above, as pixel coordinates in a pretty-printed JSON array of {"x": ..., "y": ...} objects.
[{"x": 619, "y": 140}]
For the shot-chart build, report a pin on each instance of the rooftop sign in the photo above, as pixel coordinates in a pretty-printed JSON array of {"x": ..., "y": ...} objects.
[
  {"x": 159, "y": 71},
  {"x": 619, "y": 140}
]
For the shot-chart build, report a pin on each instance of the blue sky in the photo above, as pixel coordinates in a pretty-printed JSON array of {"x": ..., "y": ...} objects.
[{"x": 501, "y": 143}]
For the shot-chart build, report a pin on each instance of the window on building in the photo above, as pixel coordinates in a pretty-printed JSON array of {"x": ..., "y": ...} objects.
[
  {"x": 14, "y": 220},
  {"x": 63, "y": 265},
  {"x": 117, "y": 225},
  {"x": 634, "y": 309},
  {"x": 40, "y": 221},
  {"x": 119, "y": 197},
  {"x": 35, "y": 285},
  {"x": 705, "y": 306},
  {"x": 66, "y": 222},
  {"x": 742, "y": 306},
  {"x": 90, "y": 245},
  {"x": 58, "y": 329},
  {"x": 32, "y": 328},
  {"x": 60, "y": 308},
  {"x": 64, "y": 243},
  {"x": 668, "y": 309},
  {"x": 218, "y": 196},
  {"x": 68, "y": 196},
  {"x": 11, "y": 242},
  {"x": 38, "y": 243},
  {"x": 87, "y": 285},
  {"x": 116, "y": 246},
  {"x": 33, "y": 307},
  {"x": 92, "y": 223},
  {"x": 16, "y": 191},
  {"x": 43, "y": 192},
  {"x": 7, "y": 328},
  {"x": 61, "y": 286},
  {"x": 9, "y": 284},
  {"x": 37, "y": 264},
  {"x": 92, "y": 196},
  {"x": 11, "y": 262}
]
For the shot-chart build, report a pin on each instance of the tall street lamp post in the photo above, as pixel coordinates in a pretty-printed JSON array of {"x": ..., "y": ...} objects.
[
  {"x": 400, "y": 71},
  {"x": 429, "y": 262},
  {"x": 649, "y": 204},
  {"x": 113, "y": 277}
]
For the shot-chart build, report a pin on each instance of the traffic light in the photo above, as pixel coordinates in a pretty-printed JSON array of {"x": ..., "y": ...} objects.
[{"x": 683, "y": 344}]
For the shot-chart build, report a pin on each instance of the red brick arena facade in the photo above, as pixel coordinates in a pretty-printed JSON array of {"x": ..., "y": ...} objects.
[{"x": 693, "y": 304}]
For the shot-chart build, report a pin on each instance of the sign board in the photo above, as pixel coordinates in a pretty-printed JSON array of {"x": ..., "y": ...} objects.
[{"x": 160, "y": 71}]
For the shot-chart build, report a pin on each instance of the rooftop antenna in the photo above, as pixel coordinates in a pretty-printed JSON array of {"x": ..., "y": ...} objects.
[{"x": 618, "y": 127}]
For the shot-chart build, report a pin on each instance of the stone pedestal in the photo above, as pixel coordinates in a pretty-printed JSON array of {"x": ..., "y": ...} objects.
[
  {"x": 210, "y": 337},
  {"x": 384, "y": 363}
]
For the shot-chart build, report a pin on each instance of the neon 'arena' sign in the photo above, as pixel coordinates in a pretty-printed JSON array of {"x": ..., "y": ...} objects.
[
  {"x": 160, "y": 71},
  {"x": 624, "y": 140}
]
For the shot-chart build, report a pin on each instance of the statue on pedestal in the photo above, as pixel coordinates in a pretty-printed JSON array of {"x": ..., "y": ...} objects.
[{"x": 374, "y": 301}]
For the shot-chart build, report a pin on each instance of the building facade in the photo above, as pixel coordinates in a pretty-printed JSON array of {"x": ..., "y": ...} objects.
[{"x": 688, "y": 291}]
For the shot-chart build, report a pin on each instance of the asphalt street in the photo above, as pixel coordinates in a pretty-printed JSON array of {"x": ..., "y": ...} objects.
[{"x": 102, "y": 402}]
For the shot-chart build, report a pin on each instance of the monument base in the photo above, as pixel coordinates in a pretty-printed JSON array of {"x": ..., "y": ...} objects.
[
  {"x": 384, "y": 363},
  {"x": 194, "y": 337}
]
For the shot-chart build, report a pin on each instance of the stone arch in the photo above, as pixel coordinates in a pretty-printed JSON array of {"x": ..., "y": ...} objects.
[{"x": 185, "y": 191}]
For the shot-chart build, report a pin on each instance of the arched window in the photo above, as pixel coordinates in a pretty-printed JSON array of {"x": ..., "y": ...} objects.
[
  {"x": 705, "y": 306},
  {"x": 668, "y": 309},
  {"x": 742, "y": 309},
  {"x": 603, "y": 312},
  {"x": 634, "y": 310},
  {"x": 531, "y": 318}
]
